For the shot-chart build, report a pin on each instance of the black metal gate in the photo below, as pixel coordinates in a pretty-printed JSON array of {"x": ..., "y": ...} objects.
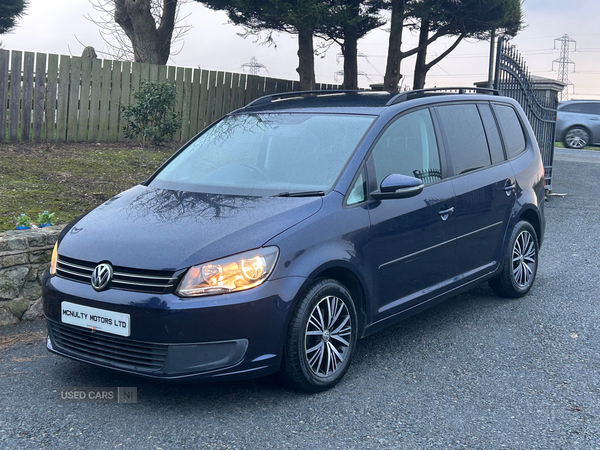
[{"x": 512, "y": 80}]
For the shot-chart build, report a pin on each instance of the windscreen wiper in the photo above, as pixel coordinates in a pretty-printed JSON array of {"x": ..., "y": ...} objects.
[{"x": 300, "y": 194}]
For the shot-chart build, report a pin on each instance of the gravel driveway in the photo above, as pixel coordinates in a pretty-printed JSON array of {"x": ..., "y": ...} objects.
[{"x": 476, "y": 372}]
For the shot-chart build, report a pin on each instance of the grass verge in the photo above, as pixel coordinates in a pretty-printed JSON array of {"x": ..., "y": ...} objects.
[
  {"x": 69, "y": 179},
  {"x": 589, "y": 147}
]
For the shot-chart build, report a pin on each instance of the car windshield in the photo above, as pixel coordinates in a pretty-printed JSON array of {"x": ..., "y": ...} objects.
[{"x": 267, "y": 154}]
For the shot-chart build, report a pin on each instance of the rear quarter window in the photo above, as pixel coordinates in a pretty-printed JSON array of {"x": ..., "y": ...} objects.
[{"x": 512, "y": 130}]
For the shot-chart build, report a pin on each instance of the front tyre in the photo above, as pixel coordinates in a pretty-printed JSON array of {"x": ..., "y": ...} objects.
[
  {"x": 576, "y": 137},
  {"x": 321, "y": 337},
  {"x": 520, "y": 263}
]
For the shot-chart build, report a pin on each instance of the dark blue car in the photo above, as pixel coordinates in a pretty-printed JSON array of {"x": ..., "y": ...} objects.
[{"x": 294, "y": 226}]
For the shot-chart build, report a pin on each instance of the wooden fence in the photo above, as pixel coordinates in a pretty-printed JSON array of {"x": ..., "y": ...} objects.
[{"x": 65, "y": 98}]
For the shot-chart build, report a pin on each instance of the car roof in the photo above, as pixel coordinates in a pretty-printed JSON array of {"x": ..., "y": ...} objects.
[
  {"x": 358, "y": 102},
  {"x": 350, "y": 101},
  {"x": 576, "y": 100}
]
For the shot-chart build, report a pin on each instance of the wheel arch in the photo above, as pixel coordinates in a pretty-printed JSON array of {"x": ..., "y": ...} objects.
[
  {"x": 351, "y": 281},
  {"x": 531, "y": 216}
]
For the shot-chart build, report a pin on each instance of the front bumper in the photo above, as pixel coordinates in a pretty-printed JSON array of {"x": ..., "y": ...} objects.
[{"x": 238, "y": 335}]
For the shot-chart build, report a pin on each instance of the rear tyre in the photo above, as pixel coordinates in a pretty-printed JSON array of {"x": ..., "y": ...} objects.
[
  {"x": 520, "y": 263},
  {"x": 321, "y": 337},
  {"x": 576, "y": 137}
]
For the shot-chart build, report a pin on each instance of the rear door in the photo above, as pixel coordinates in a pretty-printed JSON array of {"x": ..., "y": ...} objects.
[{"x": 484, "y": 185}]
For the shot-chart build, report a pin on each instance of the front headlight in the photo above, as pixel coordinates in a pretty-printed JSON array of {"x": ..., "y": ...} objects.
[
  {"x": 234, "y": 273},
  {"x": 53, "y": 259}
]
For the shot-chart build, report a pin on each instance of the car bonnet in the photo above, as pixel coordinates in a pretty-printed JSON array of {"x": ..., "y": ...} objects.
[{"x": 158, "y": 229}]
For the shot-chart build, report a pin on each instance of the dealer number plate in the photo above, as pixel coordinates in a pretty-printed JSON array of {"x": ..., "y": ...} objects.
[{"x": 95, "y": 318}]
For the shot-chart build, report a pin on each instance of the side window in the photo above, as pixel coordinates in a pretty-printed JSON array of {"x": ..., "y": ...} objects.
[
  {"x": 512, "y": 131},
  {"x": 358, "y": 192},
  {"x": 465, "y": 136},
  {"x": 582, "y": 108},
  {"x": 491, "y": 131},
  {"x": 408, "y": 147},
  {"x": 570, "y": 108},
  {"x": 590, "y": 108}
]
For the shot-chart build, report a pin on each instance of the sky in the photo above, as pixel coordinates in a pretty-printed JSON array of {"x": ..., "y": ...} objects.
[{"x": 61, "y": 26}]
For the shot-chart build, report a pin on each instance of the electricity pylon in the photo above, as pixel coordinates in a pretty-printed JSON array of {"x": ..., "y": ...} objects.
[
  {"x": 254, "y": 66},
  {"x": 563, "y": 64}
]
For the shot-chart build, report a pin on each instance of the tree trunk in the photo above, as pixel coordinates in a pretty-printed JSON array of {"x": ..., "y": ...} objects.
[
  {"x": 421, "y": 64},
  {"x": 150, "y": 44},
  {"x": 350, "y": 48},
  {"x": 394, "y": 58},
  {"x": 425, "y": 68},
  {"x": 306, "y": 59}
]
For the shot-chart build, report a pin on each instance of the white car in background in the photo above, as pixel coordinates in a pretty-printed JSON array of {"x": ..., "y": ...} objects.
[{"x": 578, "y": 123}]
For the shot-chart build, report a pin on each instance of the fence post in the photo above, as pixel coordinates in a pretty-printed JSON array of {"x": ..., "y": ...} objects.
[
  {"x": 4, "y": 62},
  {"x": 73, "y": 108},
  {"x": 125, "y": 94},
  {"x": 28, "y": 68},
  {"x": 50, "y": 98},
  {"x": 39, "y": 102},
  {"x": 63, "y": 98},
  {"x": 115, "y": 95},
  {"x": 96, "y": 90},
  {"x": 179, "y": 105},
  {"x": 84, "y": 98},
  {"x": 15, "y": 95},
  {"x": 186, "y": 104},
  {"x": 105, "y": 100},
  {"x": 195, "y": 102}
]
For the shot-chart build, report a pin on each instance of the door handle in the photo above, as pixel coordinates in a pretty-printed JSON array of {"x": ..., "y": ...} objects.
[
  {"x": 508, "y": 188},
  {"x": 444, "y": 213}
]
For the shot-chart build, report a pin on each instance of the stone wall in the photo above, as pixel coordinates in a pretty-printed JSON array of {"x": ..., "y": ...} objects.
[{"x": 24, "y": 256}]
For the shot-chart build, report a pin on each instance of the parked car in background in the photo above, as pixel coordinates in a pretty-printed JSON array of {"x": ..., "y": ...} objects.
[
  {"x": 292, "y": 227},
  {"x": 578, "y": 123}
]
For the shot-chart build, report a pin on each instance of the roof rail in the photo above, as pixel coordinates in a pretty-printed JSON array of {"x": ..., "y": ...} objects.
[
  {"x": 408, "y": 95},
  {"x": 266, "y": 99}
]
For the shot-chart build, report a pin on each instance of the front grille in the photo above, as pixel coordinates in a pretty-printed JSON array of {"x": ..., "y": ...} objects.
[
  {"x": 139, "y": 280},
  {"x": 106, "y": 348}
]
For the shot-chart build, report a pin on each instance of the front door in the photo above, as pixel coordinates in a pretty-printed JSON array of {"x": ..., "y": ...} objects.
[{"x": 411, "y": 250}]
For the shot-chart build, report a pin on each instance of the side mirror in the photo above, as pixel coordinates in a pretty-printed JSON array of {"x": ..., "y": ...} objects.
[{"x": 398, "y": 186}]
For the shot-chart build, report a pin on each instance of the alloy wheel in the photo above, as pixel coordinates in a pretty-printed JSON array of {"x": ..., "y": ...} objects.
[
  {"x": 524, "y": 259},
  {"x": 327, "y": 336},
  {"x": 576, "y": 138}
]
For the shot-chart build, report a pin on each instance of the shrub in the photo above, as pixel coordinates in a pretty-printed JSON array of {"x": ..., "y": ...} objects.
[
  {"x": 46, "y": 218},
  {"x": 152, "y": 116},
  {"x": 23, "y": 220}
]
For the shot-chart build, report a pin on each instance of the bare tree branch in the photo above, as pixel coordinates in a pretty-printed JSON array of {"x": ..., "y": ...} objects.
[{"x": 142, "y": 30}]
